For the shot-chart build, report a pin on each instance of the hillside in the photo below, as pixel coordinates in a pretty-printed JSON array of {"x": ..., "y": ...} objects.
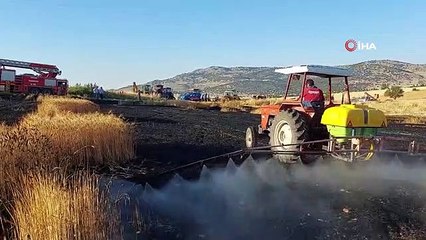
[{"x": 263, "y": 80}]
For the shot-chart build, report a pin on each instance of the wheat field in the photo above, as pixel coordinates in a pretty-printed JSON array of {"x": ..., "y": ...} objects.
[
  {"x": 54, "y": 206},
  {"x": 413, "y": 104},
  {"x": 43, "y": 194},
  {"x": 91, "y": 138},
  {"x": 53, "y": 105}
]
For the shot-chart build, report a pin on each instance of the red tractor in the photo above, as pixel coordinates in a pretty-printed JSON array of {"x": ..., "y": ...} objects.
[
  {"x": 45, "y": 82},
  {"x": 296, "y": 131},
  {"x": 299, "y": 132}
]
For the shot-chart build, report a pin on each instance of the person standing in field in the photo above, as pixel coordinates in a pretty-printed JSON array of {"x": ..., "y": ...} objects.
[
  {"x": 101, "y": 92},
  {"x": 96, "y": 92}
]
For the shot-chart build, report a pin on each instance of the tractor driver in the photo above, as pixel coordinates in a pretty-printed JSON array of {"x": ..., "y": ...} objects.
[{"x": 312, "y": 96}]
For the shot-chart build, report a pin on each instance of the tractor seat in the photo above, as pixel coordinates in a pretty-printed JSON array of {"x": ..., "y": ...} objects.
[
  {"x": 315, "y": 109},
  {"x": 313, "y": 106}
]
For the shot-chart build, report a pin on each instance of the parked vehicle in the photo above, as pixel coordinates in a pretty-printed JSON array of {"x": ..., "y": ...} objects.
[
  {"x": 167, "y": 93},
  {"x": 191, "y": 96},
  {"x": 44, "y": 82},
  {"x": 230, "y": 95}
]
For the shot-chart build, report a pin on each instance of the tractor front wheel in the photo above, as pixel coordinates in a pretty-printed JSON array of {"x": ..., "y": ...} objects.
[
  {"x": 287, "y": 132},
  {"x": 252, "y": 136}
]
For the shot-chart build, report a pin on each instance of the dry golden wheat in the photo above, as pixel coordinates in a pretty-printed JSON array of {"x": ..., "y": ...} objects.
[
  {"x": 36, "y": 157},
  {"x": 91, "y": 138},
  {"x": 23, "y": 149},
  {"x": 402, "y": 107},
  {"x": 53, "y": 206},
  {"x": 224, "y": 105},
  {"x": 51, "y": 105},
  {"x": 3, "y": 128}
]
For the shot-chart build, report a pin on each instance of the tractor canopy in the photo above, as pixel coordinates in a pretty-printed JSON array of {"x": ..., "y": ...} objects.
[
  {"x": 316, "y": 70},
  {"x": 303, "y": 71}
]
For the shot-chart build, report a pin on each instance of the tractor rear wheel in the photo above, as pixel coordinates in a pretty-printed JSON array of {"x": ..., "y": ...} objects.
[{"x": 287, "y": 128}]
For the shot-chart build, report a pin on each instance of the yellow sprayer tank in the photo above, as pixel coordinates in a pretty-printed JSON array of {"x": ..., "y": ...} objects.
[{"x": 353, "y": 120}]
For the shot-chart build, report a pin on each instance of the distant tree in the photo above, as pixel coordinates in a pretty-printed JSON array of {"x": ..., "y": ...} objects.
[
  {"x": 80, "y": 90},
  {"x": 394, "y": 92},
  {"x": 384, "y": 86}
]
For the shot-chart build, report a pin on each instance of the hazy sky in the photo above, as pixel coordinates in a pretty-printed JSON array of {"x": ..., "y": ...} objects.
[{"x": 114, "y": 43}]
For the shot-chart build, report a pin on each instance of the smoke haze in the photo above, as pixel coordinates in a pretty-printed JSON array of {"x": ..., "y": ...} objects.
[{"x": 266, "y": 200}]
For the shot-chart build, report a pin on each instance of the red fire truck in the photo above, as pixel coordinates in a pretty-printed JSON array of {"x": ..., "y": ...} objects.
[{"x": 44, "y": 82}]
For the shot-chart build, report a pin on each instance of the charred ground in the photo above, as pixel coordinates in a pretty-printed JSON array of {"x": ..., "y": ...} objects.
[
  {"x": 168, "y": 137},
  {"x": 173, "y": 136}
]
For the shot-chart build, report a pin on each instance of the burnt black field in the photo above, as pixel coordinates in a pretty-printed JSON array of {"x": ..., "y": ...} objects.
[
  {"x": 264, "y": 199},
  {"x": 380, "y": 199}
]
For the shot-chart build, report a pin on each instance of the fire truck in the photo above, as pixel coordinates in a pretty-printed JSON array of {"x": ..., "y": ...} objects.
[{"x": 44, "y": 82}]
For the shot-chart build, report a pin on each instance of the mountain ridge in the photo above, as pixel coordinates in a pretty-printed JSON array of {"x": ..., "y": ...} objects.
[{"x": 264, "y": 80}]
